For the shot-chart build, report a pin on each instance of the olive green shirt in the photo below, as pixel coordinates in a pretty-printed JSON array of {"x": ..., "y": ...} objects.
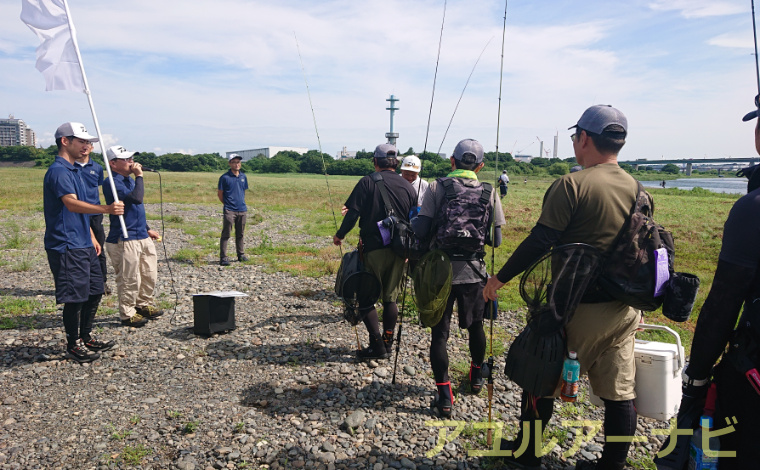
[{"x": 590, "y": 206}]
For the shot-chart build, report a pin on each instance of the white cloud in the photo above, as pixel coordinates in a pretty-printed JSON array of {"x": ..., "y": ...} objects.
[{"x": 700, "y": 8}]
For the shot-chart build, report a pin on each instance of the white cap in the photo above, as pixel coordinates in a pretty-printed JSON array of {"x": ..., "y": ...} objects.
[
  {"x": 232, "y": 156},
  {"x": 117, "y": 151},
  {"x": 411, "y": 163},
  {"x": 74, "y": 129}
]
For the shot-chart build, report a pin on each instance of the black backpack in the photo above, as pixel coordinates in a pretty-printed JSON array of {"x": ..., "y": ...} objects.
[
  {"x": 463, "y": 220},
  {"x": 403, "y": 241},
  {"x": 629, "y": 272}
]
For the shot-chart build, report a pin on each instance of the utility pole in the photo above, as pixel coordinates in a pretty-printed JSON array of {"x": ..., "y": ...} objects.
[{"x": 392, "y": 136}]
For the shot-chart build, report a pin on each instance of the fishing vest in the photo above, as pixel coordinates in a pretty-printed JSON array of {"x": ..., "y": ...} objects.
[{"x": 463, "y": 218}]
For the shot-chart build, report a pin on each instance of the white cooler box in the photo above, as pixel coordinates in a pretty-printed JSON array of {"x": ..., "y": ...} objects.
[{"x": 658, "y": 376}]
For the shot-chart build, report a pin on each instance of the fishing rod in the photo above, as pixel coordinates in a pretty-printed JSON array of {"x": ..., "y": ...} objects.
[
  {"x": 424, "y": 151},
  {"x": 757, "y": 66},
  {"x": 324, "y": 165},
  {"x": 493, "y": 304},
  {"x": 435, "y": 77},
  {"x": 462, "y": 94}
]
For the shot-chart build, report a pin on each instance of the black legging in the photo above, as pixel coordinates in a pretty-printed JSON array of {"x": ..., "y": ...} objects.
[
  {"x": 439, "y": 356},
  {"x": 78, "y": 318},
  {"x": 390, "y": 317},
  {"x": 619, "y": 420}
]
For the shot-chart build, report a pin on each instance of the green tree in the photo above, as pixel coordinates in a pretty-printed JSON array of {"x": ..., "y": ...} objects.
[
  {"x": 670, "y": 169},
  {"x": 558, "y": 169},
  {"x": 281, "y": 164}
]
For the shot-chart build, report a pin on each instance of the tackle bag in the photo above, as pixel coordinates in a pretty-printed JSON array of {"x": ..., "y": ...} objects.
[
  {"x": 639, "y": 264},
  {"x": 403, "y": 241},
  {"x": 432, "y": 286},
  {"x": 464, "y": 217},
  {"x": 356, "y": 287}
]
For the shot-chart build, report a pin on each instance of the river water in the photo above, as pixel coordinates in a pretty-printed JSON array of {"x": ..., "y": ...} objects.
[{"x": 716, "y": 185}]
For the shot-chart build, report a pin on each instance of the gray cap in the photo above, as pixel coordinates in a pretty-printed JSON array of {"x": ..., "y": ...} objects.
[
  {"x": 117, "y": 151},
  {"x": 386, "y": 151},
  {"x": 597, "y": 118},
  {"x": 469, "y": 151},
  {"x": 753, "y": 114},
  {"x": 75, "y": 129}
]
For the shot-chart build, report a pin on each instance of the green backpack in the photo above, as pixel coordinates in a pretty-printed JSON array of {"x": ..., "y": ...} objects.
[{"x": 432, "y": 286}]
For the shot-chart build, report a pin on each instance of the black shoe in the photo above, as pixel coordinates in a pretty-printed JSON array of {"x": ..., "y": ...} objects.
[
  {"x": 443, "y": 401},
  {"x": 150, "y": 312},
  {"x": 598, "y": 465},
  {"x": 526, "y": 460},
  {"x": 242, "y": 258},
  {"x": 476, "y": 377},
  {"x": 135, "y": 321},
  {"x": 81, "y": 354},
  {"x": 372, "y": 352},
  {"x": 95, "y": 345},
  {"x": 224, "y": 261}
]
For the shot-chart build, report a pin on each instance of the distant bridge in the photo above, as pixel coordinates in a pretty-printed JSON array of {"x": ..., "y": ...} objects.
[{"x": 691, "y": 161}]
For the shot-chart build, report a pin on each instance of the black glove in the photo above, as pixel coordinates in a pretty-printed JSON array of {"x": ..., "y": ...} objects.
[{"x": 692, "y": 404}]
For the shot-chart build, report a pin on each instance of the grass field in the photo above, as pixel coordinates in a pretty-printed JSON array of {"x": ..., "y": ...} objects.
[{"x": 695, "y": 218}]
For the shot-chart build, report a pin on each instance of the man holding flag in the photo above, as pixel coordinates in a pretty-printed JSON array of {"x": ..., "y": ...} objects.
[{"x": 70, "y": 243}]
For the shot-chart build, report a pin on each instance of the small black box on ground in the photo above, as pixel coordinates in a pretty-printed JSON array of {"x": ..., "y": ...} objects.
[{"x": 214, "y": 312}]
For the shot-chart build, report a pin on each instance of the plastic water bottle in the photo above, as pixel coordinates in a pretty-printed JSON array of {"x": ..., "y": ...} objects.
[
  {"x": 571, "y": 371},
  {"x": 698, "y": 459}
]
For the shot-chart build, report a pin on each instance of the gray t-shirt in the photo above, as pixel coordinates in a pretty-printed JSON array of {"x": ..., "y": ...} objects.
[{"x": 464, "y": 272}]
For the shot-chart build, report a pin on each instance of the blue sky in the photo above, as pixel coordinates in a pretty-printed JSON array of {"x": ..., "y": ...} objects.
[{"x": 216, "y": 76}]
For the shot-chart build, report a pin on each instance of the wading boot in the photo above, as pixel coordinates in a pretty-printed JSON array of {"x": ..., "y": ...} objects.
[
  {"x": 388, "y": 341},
  {"x": 375, "y": 350},
  {"x": 476, "y": 377},
  {"x": 444, "y": 400}
]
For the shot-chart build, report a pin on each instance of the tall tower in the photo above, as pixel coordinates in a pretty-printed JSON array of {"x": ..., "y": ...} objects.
[{"x": 392, "y": 136}]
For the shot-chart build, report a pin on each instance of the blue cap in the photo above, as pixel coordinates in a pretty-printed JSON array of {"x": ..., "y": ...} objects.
[{"x": 597, "y": 118}]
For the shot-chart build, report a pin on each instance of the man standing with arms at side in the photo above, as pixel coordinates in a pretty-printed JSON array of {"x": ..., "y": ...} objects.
[
  {"x": 92, "y": 175},
  {"x": 503, "y": 183},
  {"x": 231, "y": 193},
  {"x": 588, "y": 206},
  {"x": 134, "y": 260},
  {"x": 458, "y": 203},
  {"x": 69, "y": 242},
  {"x": 366, "y": 205}
]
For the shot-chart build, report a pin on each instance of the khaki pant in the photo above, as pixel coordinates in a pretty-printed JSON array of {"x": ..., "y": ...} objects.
[
  {"x": 236, "y": 219},
  {"x": 135, "y": 265},
  {"x": 603, "y": 335}
]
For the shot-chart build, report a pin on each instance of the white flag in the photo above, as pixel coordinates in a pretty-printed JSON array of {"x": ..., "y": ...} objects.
[{"x": 57, "y": 55}]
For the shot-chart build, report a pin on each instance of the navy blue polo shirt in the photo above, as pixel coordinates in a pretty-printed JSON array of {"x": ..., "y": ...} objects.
[
  {"x": 134, "y": 214},
  {"x": 233, "y": 191},
  {"x": 64, "y": 230},
  {"x": 92, "y": 175}
]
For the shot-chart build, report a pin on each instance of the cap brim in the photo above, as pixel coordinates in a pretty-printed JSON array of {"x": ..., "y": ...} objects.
[{"x": 750, "y": 116}]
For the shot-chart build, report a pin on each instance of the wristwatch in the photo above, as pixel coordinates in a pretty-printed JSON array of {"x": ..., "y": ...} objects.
[{"x": 689, "y": 381}]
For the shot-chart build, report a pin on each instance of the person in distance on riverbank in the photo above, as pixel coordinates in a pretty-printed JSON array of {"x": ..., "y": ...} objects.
[
  {"x": 588, "y": 206},
  {"x": 72, "y": 250},
  {"x": 134, "y": 259},
  {"x": 231, "y": 192},
  {"x": 366, "y": 205}
]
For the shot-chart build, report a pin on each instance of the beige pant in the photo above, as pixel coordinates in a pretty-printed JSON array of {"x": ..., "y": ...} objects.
[
  {"x": 135, "y": 265},
  {"x": 603, "y": 335}
]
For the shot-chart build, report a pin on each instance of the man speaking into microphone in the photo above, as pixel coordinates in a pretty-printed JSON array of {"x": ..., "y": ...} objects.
[{"x": 134, "y": 260}]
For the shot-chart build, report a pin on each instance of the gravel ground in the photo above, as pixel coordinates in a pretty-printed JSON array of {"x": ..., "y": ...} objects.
[{"x": 282, "y": 390}]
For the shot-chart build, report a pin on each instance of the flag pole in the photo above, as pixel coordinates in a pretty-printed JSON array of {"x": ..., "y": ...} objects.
[{"x": 94, "y": 116}]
